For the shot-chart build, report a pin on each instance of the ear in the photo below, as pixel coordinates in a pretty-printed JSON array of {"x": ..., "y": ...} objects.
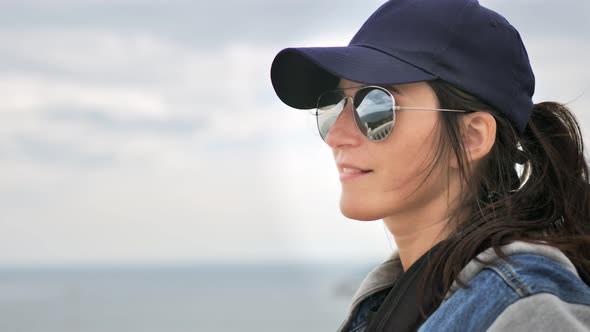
[{"x": 478, "y": 134}]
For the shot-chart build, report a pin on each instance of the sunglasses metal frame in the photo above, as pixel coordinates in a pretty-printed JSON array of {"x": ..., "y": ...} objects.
[{"x": 395, "y": 108}]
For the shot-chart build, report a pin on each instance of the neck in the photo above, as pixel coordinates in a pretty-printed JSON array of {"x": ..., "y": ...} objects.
[
  {"x": 418, "y": 229},
  {"x": 412, "y": 241}
]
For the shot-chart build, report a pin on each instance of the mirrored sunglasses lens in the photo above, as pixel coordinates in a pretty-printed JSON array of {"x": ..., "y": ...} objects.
[
  {"x": 374, "y": 113},
  {"x": 330, "y": 105}
]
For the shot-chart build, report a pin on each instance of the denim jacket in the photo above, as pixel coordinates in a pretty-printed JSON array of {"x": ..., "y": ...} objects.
[{"x": 539, "y": 289}]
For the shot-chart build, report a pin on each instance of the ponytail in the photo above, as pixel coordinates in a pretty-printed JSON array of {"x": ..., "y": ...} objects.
[{"x": 558, "y": 180}]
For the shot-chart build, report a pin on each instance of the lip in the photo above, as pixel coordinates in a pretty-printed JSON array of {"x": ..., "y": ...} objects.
[{"x": 351, "y": 176}]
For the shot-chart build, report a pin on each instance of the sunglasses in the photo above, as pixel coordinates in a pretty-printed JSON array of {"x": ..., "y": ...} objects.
[{"x": 373, "y": 108}]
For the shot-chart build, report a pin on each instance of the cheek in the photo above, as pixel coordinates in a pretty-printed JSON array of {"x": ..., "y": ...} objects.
[
  {"x": 403, "y": 187},
  {"x": 407, "y": 163},
  {"x": 410, "y": 151},
  {"x": 401, "y": 166}
]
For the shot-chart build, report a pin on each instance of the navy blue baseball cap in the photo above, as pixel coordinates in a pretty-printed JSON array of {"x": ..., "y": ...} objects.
[{"x": 404, "y": 41}]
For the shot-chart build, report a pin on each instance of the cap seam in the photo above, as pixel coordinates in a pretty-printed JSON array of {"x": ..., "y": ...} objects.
[
  {"x": 397, "y": 57},
  {"x": 453, "y": 30},
  {"x": 375, "y": 13}
]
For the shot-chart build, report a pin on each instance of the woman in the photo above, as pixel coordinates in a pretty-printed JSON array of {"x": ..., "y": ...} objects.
[{"x": 429, "y": 114}]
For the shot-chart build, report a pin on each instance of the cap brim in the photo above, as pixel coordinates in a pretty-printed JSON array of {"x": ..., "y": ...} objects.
[{"x": 300, "y": 75}]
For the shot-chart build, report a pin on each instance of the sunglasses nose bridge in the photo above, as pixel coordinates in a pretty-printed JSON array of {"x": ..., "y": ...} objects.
[
  {"x": 354, "y": 117},
  {"x": 343, "y": 109},
  {"x": 347, "y": 100},
  {"x": 344, "y": 126}
]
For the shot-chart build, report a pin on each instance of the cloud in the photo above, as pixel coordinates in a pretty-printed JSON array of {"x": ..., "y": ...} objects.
[
  {"x": 130, "y": 92},
  {"x": 543, "y": 18},
  {"x": 22, "y": 91},
  {"x": 560, "y": 72},
  {"x": 197, "y": 23},
  {"x": 150, "y": 131}
]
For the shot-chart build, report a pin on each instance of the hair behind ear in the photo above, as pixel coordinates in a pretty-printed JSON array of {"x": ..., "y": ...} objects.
[{"x": 549, "y": 204}]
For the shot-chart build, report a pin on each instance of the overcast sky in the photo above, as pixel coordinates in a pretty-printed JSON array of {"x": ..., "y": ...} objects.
[{"x": 148, "y": 131}]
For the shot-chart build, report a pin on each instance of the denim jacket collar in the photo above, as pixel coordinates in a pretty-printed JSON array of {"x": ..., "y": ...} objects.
[
  {"x": 476, "y": 265},
  {"x": 381, "y": 277},
  {"x": 388, "y": 272}
]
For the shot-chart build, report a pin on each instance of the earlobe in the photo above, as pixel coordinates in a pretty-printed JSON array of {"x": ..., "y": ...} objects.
[{"x": 479, "y": 134}]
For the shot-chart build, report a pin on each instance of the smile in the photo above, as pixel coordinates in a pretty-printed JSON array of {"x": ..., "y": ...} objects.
[{"x": 352, "y": 173}]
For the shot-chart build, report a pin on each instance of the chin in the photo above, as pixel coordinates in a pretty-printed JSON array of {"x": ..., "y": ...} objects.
[{"x": 359, "y": 211}]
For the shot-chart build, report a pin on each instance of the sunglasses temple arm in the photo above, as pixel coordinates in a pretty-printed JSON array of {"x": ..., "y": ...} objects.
[{"x": 398, "y": 108}]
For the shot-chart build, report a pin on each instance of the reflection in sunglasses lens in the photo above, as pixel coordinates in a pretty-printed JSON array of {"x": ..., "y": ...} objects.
[
  {"x": 330, "y": 105},
  {"x": 373, "y": 113},
  {"x": 375, "y": 116}
]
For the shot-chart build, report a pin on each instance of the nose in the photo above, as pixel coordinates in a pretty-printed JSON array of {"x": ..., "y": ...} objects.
[{"x": 344, "y": 131}]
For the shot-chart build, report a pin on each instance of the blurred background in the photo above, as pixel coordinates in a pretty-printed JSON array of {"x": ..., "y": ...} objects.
[{"x": 150, "y": 180}]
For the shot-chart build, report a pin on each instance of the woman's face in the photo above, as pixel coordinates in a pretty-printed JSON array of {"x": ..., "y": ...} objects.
[{"x": 396, "y": 166}]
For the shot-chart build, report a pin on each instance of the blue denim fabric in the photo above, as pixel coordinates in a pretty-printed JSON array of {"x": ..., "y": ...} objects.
[
  {"x": 496, "y": 287},
  {"x": 368, "y": 307}
]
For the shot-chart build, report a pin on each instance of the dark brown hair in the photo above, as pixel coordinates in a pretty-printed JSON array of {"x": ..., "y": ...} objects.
[{"x": 551, "y": 205}]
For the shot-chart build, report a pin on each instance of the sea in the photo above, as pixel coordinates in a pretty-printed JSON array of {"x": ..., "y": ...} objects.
[{"x": 178, "y": 298}]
